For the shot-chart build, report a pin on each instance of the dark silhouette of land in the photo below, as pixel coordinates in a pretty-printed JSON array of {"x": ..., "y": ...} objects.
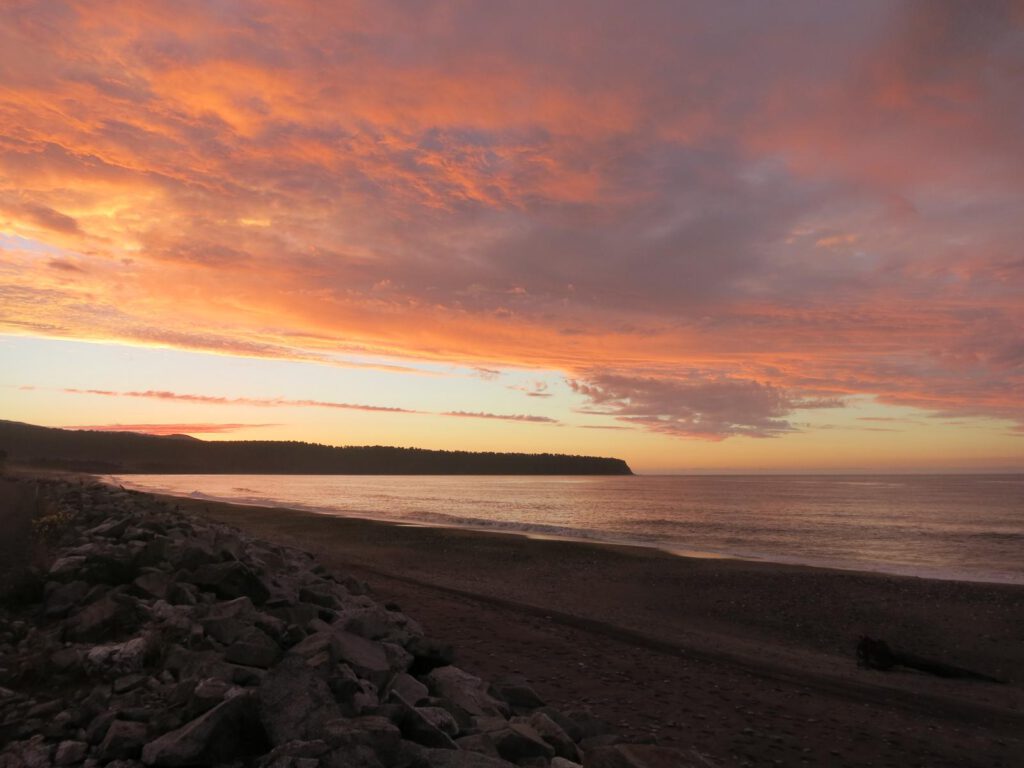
[{"x": 131, "y": 452}]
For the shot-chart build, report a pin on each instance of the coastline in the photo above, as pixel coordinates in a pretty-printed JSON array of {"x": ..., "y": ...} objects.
[
  {"x": 599, "y": 537},
  {"x": 661, "y": 643}
]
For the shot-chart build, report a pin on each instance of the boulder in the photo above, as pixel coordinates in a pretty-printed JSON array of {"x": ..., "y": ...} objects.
[
  {"x": 554, "y": 735},
  {"x": 70, "y": 752},
  {"x": 409, "y": 688},
  {"x": 367, "y": 659},
  {"x": 118, "y": 658},
  {"x": 428, "y": 654},
  {"x": 254, "y": 648},
  {"x": 230, "y": 731},
  {"x": 61, "y": 598},
  {"x": 123, "y": 740},
  {"x": 230, "y": 580},
  {"x": 517, "y": 692},
  {"x": 363, "y": 741},
  {"x": 152, "y": 584},
  {"x": 101, "y": 620},
  {"x": 466, "y": 694},
  {"x": 295, "y": 702},
  {"x": 520, "y": 741}
]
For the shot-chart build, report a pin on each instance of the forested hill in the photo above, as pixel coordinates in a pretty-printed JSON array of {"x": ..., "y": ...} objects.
[{"x": 127, "y": 452}]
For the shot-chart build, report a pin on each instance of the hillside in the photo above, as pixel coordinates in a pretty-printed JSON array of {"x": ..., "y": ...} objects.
[{"x": 128, "y": 452}]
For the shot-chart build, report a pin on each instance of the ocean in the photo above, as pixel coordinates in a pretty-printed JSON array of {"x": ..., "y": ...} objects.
[{"x": 968, "y": 527}]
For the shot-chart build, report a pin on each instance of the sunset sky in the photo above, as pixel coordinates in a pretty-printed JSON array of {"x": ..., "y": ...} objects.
[{"x": 709, "y": 236}]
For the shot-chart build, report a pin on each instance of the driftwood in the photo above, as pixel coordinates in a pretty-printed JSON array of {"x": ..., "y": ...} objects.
[{"x": 876, "y": 654}]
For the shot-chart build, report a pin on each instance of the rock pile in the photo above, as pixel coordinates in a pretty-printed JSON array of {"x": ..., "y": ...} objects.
[{"x": 158, "y": 639}]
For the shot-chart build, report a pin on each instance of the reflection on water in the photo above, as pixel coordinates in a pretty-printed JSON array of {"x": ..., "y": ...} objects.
[{"x": 946, "y": 526}]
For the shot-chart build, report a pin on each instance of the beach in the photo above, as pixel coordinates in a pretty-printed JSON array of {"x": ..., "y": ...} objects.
[{"x": 745, "y": 662}]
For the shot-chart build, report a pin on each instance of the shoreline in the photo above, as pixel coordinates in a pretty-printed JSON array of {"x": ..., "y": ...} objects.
[
  {"x": 715, "y": 634},
  {"x": 932, "y": 573},
  {"x": 738, "y": 663}
]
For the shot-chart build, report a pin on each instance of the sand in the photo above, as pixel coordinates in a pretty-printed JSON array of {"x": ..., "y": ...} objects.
[{"x": 749, "y": 663}]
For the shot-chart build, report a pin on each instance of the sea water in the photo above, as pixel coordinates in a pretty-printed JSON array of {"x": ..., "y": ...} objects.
[{"x": 968, "y": 527}]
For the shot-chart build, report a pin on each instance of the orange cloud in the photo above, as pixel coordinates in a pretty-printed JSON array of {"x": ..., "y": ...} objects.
[{"x": 660, "y": 199}]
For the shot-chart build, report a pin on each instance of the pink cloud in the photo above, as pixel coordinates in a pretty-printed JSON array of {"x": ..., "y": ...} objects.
[{"x": 794, "y": 198}]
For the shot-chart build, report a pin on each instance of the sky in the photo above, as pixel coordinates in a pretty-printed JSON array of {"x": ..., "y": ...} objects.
[{"x": 698, "y": 236}]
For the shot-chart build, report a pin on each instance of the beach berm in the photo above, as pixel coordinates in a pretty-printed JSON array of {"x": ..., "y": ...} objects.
[{"x": 149, "y": 637}]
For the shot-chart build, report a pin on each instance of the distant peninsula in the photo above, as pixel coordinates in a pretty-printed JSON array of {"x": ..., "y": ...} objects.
[{"x": 132, "y": 452}]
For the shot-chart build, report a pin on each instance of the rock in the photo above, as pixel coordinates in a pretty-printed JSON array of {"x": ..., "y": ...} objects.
[
  {"x": 153, "y": 584},
  {"x": 70, "y": 752},
  {"x": 466, "y": 694},
  {"x": 295, "y": 702},
  {"x": 428, "y": 654},
  {"x": 101, "y": 620},
  {"x": 320, "y": 596},
  {"x": 637, "y": 756},
  {"x": 254, "y": 648},
  {"x": 567, "y": 724},
  {"x": 554, "y": 735},
  {"x": 441, "y": 719},
  {"x": 417, "y": 728},
  {"x": 207, "y": 694},
  {"x": 231, "y": 580},
  {"x": 66, "y": 659},
  {"x": 362, "y": 741},
  {"x": 61, "y": 598},
  {"x": 127, "y": 683},
  {"x": 99, "y": 726},
  {"x": 409, "y": 688},
  {"x": 367, "y": 659},
  {"x": 65, "y": 568},
  {"x": 519, "y": 741},
  {"x": 517, "y": 692},
  {"x": 118, "y": 658},
  {"x": 230, "y": 731},
  {"x": 123, "y": 740},
  {"x": 295, "y": 754},
  {"x": 31, "y": 753},
  {"x": 561, "y": 762},
  {"x": 479, "y": 743}
]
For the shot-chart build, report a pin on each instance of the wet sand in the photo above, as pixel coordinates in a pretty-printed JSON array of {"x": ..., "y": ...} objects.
[{"x": 749, "y": 663}]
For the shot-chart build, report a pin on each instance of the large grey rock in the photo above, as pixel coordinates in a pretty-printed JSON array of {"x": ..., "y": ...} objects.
[
  {"x": 124, "y": 739},
  {"x": 101, "y": 620},
  {"x": 409, "y": 688},
  {"x": 230, "y": 731},
  {"x": 70, "y": 752},
  {"x": 429, "y": 654},
  {"x": 253, "y": 648},
  {"x": 118, "y": 658},
  {"x": 554, "y": 735},
  {"x": 362, "y": 742},
  {"x": 295, "y": 702},
  {"x": 517, "y": 692},
  {"x": 466, "y": 694},
  {"x": 520, "y": 741},
  {"x": 61, "y": 598},
  {"x": 230, "y": 580},
  {"x": 367, "y": 659}
]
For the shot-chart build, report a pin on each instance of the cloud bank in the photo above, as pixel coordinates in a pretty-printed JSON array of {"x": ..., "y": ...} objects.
[{"x": 799, "y": 201}]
